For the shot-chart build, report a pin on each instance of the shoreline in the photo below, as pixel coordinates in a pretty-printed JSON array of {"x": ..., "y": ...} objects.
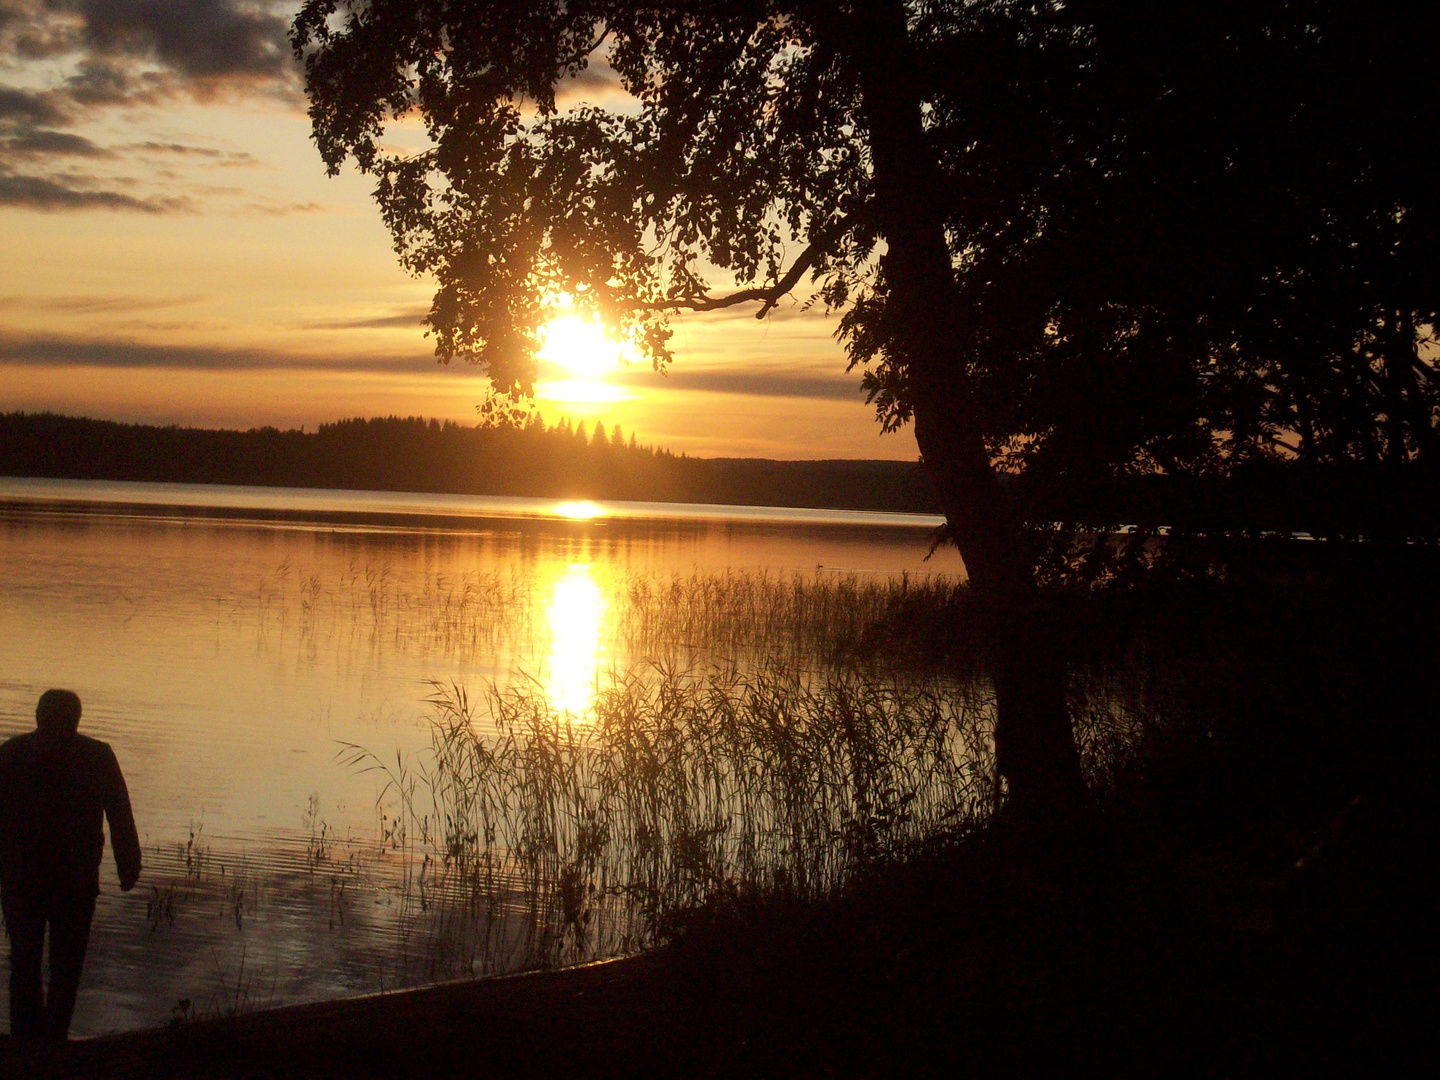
[
  {"x": 553, "y": 1007},
  {"x": 415, "y": 509}
]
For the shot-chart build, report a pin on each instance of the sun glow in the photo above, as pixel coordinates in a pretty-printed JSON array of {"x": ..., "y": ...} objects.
[
  {"x": 580, "y": 510},
  {"x": 580, "y": 346},
  {"x": 582, "y": 391},
  {"x": 576, "y": 615}
]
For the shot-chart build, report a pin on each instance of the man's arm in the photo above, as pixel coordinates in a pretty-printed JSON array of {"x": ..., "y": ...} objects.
[{"x": 124, "y": 841}]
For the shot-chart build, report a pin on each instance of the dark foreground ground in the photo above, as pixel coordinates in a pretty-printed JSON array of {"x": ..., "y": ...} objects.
[
  {"x": 1253, "y": 894},
  {"x": 1231, "y": 959}
]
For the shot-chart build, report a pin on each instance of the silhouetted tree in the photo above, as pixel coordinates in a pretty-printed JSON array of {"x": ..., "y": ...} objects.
[{"x": 1071, "y": 241}]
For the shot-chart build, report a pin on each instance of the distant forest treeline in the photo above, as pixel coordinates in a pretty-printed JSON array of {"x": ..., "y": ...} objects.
[{"x": 412, "y": 454}]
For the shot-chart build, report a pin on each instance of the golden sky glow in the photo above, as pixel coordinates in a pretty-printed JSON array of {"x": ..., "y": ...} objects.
[{"x": 177, "y": 255}]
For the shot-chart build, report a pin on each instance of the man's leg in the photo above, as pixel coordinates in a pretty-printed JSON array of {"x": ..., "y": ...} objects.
[
  {"x": 25, "y": 923},
  {"x": 69, "y": 935}
]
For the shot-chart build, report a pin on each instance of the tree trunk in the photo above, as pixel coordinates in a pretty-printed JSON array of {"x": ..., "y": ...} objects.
[{"x": 1035, "y": 745}]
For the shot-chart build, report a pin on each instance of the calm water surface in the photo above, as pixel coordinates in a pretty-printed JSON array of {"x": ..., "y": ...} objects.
[{"x": 228, "y": 641}]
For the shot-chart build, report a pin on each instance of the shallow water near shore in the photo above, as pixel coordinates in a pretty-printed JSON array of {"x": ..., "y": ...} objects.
[{"x": 229, "y": 643}]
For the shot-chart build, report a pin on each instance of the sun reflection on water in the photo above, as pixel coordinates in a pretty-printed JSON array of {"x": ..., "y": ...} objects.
[
  {"x": 575, "y": 615},
  {"x": 579, "y": 509}
]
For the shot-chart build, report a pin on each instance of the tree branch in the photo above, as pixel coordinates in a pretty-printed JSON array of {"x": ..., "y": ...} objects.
[{"x": 769, "y": 295}]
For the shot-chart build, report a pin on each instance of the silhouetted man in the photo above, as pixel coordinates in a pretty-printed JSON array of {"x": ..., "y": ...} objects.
[{"x": 55, "y": 785}]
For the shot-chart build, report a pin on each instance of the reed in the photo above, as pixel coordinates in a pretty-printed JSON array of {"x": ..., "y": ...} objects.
[
  {"x": 539, "y": 840},
  {"x": 678, "y": 619},
  {"x": 760, "y": 734}
]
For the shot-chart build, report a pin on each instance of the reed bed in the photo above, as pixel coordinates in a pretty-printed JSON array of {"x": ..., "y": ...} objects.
[
  {"x": 538, "y": 840},
  {"x": 756, "y": 734},
  {"x": 802, "y": 620},
  {"x": 682, "y": 619}
]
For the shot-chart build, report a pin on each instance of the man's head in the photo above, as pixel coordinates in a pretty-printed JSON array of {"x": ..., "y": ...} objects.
[{"x": 58, "y": 712}]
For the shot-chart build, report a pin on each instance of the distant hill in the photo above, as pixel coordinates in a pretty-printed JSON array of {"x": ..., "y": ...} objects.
[{"x": 412, "y": 454}]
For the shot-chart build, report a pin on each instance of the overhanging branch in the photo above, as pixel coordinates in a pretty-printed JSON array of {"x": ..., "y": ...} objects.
[{"x": 768, "y": 295}]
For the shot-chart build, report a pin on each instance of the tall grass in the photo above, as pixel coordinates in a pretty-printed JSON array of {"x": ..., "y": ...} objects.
[
  {"x": 769, "y": 735},
  {"x": 682, "y": 619},
  {"x": 800, "y": 621},
  {"x": 539, "y": 840}
]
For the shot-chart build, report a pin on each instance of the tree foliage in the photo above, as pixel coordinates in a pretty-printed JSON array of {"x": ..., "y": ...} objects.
[
  {"x": 1183, "y": 236},
  {"x": 1198, "y": 235},
  {"x": 712, "y": 162}
]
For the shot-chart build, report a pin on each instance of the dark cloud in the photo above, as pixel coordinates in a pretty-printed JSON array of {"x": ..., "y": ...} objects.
[
  {"x": 15, "y": 13},
  {"x": 775, "y": 383},
  {"x": 106, "y": 82},
  {"x": 220, "y": 157},
  {"x": 597, "y": 83},
  {"x": 203, "y": 40},
  {"x": 84, "y": 304},
  {"x": 116, "y": 353},
  {"x": 41, "y": 42},
  {"x": 24, "y": 142},
  {"x": 76, "y": 59},
  {"x": 239, "y": 160},
  {"x": 128, "y": 52},
  {"x": 597, "y": 78},
  {"x": 284, "y": 209},
  {"x": 43, "y": 143},
  {"x": 49, "y": 350},
  {"x": 64, "y": 193},
  {"x": 31, "y": 30},
  {"x": 19, "y": 106},
  {"x": 177, "y": 148},
  {"x": 411, "y": 319}
]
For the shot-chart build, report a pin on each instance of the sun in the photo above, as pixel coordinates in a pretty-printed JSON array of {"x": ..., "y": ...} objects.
[{"x": 580, "y": 346}]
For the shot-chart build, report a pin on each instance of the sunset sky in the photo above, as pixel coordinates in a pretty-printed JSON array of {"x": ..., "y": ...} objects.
[{"x": 173, "y": 252}]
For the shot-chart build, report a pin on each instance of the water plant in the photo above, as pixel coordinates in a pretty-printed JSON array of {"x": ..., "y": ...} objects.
[
  {"x": 541, "y": 838},
  {"x": 688, "y": 620}
]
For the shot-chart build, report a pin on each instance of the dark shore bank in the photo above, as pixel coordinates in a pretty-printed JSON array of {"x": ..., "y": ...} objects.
[{"x": 1126, "y": 956}]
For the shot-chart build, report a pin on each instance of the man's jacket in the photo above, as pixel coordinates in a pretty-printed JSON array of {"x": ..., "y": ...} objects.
[{"x": 53, "y": 795}]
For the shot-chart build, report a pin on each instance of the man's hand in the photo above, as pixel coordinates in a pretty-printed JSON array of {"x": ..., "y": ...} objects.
[{"x": 127, "y": 881}]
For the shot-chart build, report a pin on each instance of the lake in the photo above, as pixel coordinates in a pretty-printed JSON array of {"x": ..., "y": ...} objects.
[{"x": 235, "y": 645}]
